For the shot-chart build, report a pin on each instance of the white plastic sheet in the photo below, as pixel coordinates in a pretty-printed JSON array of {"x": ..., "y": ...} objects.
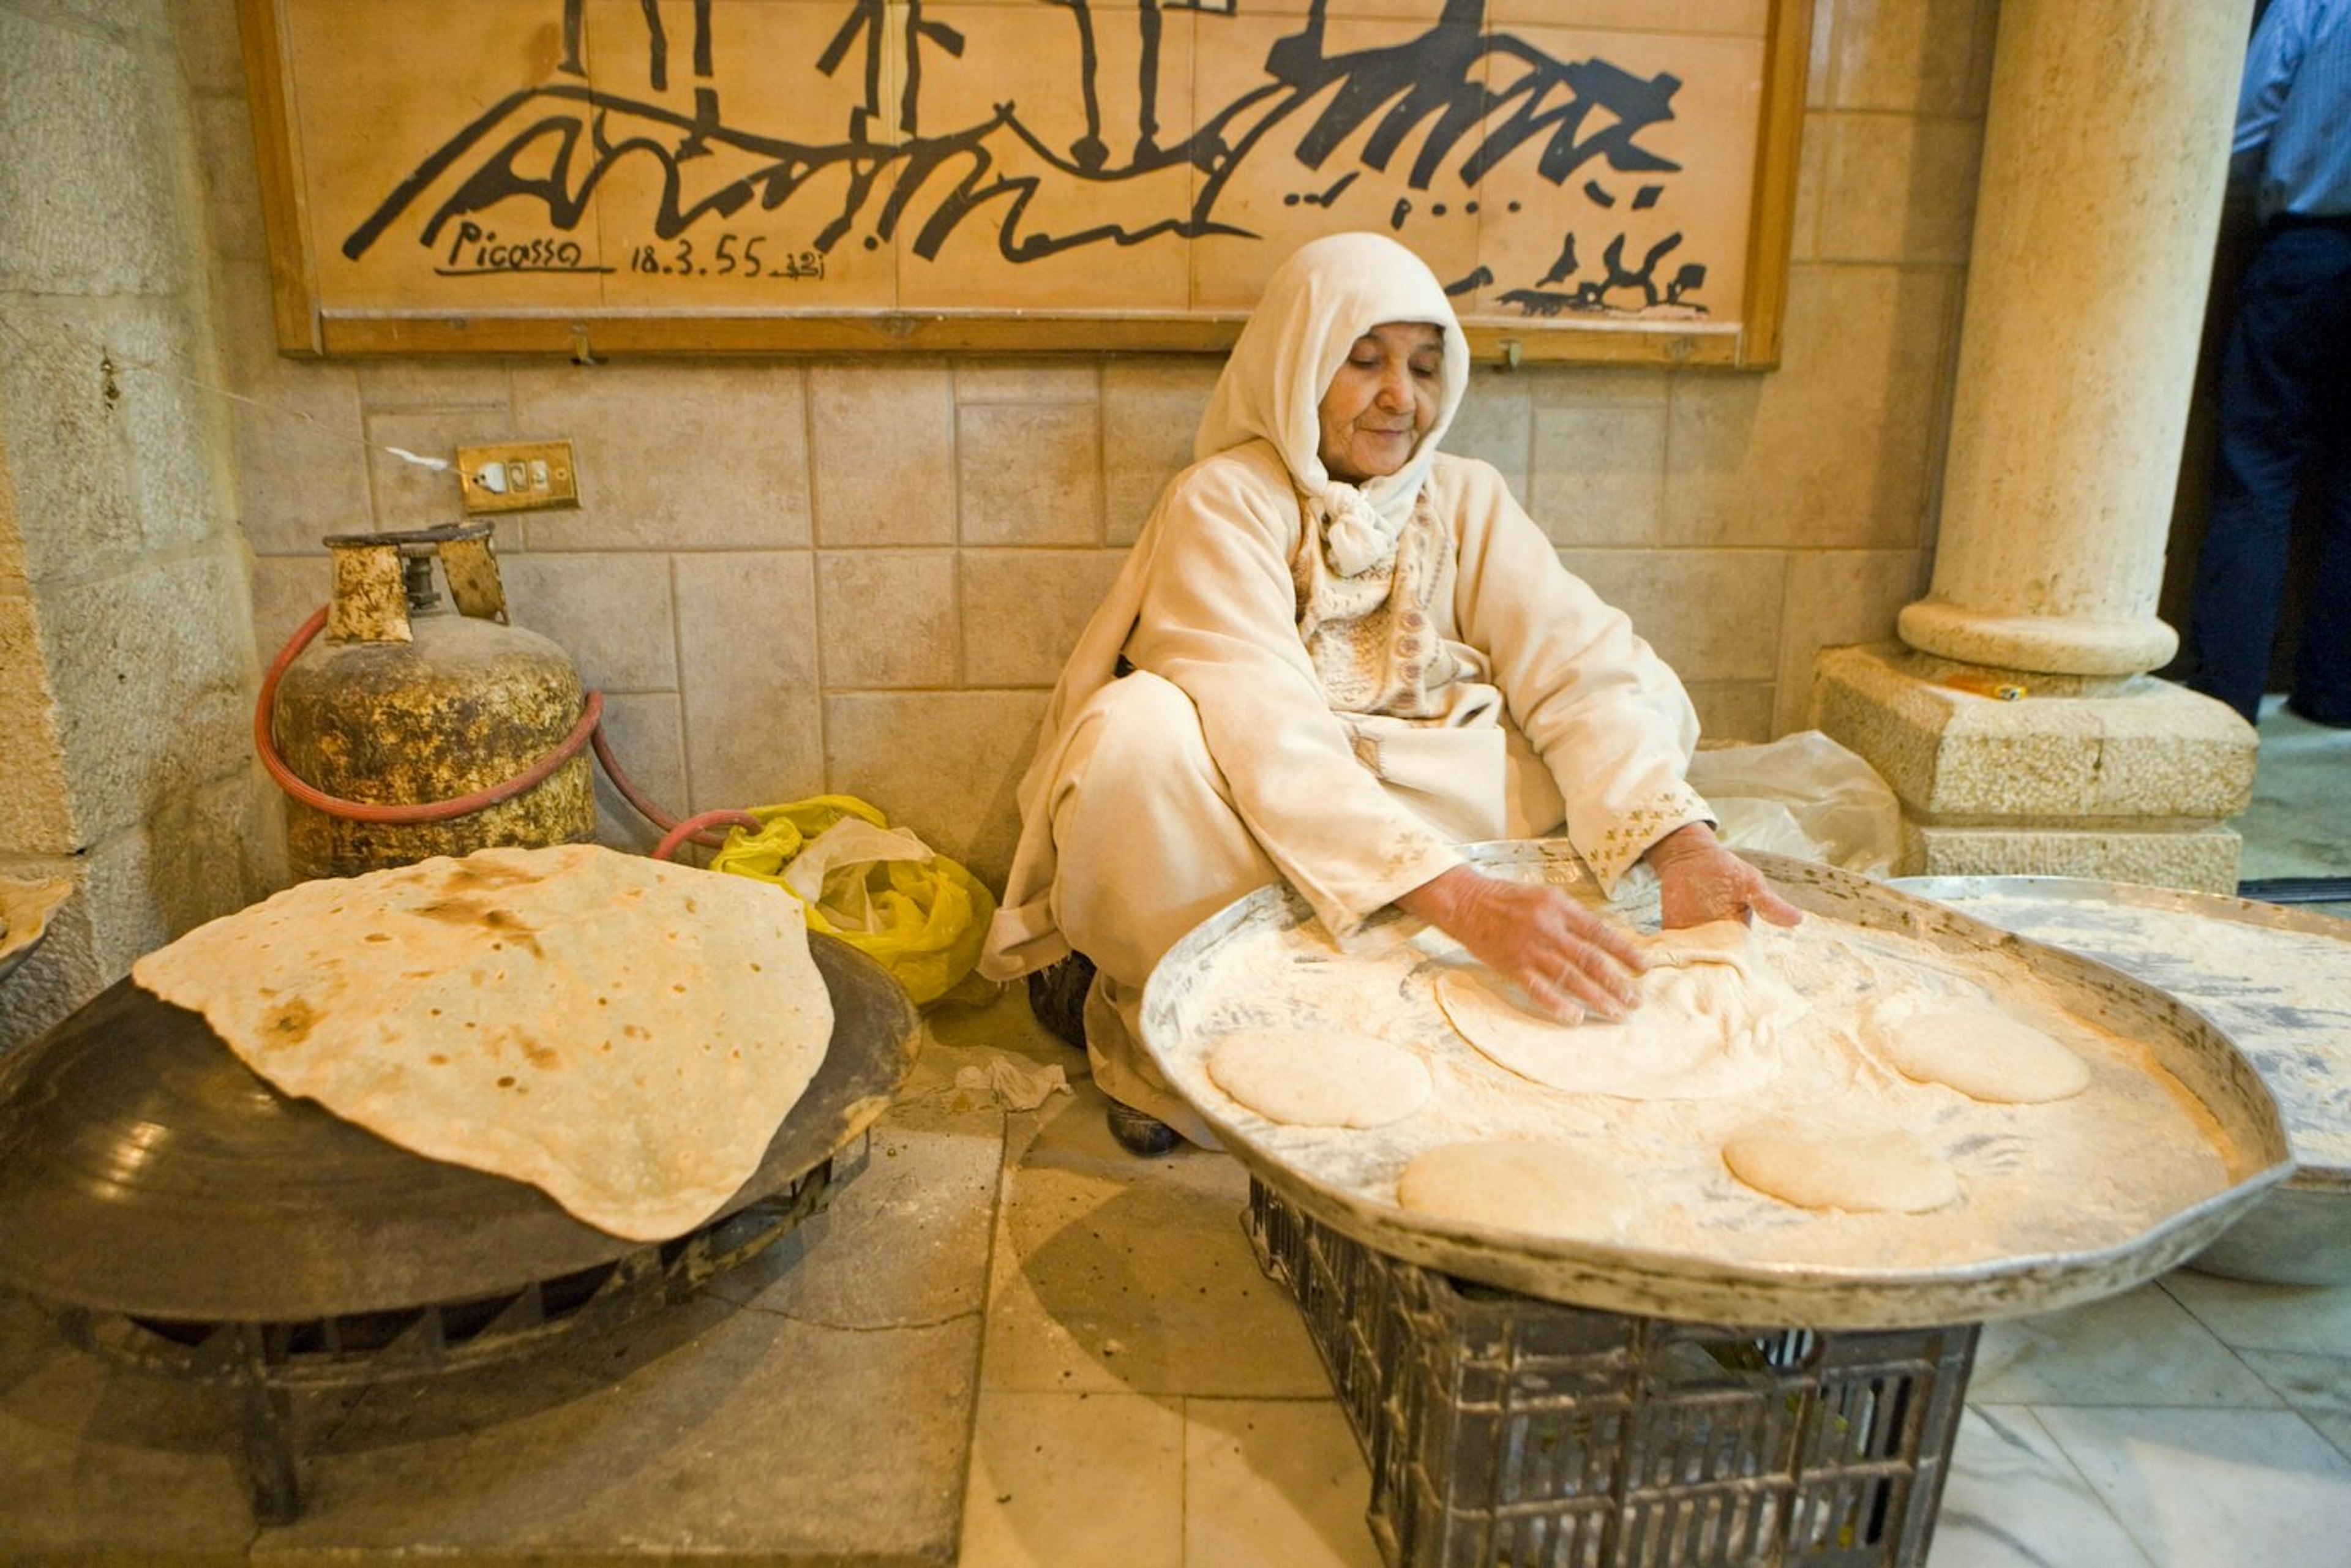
[{"x": 1802, "y": 795}]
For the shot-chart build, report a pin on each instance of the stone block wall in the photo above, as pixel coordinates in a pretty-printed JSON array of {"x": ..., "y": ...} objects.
[{"x": 126, "y": 657}]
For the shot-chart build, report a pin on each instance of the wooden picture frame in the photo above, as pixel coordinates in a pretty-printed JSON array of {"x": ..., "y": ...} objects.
[{"x": 607, "y": 177}]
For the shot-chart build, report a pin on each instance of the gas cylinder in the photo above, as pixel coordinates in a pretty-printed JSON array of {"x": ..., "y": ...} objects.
[{"x": 404, "y": 700}]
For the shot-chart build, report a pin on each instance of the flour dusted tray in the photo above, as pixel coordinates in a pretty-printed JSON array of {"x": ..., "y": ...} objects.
[
  {"x": 2058, "y": 1209},
  {"x": 2277, "y": 980}
]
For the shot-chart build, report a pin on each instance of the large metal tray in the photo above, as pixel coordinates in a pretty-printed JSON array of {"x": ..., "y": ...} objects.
[
  {"x": 1679, "y": 1284},
  {"x": 2283, "y": 998},
  {"x": 145, "y": 1170}
]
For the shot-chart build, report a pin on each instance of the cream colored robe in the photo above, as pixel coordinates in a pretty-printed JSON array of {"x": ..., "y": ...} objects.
[{"x": 1208, "y": 602}]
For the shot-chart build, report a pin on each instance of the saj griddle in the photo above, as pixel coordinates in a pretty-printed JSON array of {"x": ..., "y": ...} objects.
[{"x": 176, "y": 1214}]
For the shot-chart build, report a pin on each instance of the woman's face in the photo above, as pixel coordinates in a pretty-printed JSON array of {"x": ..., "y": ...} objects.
[{"x": 1382, "y": 400}]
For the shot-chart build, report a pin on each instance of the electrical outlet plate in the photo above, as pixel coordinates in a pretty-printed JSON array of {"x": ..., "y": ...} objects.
[{"x": 519, "y": 475}]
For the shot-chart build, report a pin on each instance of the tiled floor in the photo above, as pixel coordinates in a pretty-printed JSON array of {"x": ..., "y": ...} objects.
[{"x": 1148, "y": 1398}]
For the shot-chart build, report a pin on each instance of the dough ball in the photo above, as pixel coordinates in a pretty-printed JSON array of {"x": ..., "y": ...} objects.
[
  {"x": 1814, "y": 1166},
  {"x": 1986, "y": 1055},
  {"x": 1307, "y": 1079},
  {"x": 1547, "y": 1189}
]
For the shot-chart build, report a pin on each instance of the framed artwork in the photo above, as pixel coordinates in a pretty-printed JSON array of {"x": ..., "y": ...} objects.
[{"x": 1594, "y": 179}]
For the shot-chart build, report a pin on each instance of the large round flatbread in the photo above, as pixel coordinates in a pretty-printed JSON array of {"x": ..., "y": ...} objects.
[
  {"x": 1302, "y": 1079},
  {"x": 1986, "y": 1055},
  {"x": 1816, "y": 1166},
  {"x": 1707, "y": 1026},
  {"x": 624, "y": 1034},
  {"x": 1544, "y": 1190}
]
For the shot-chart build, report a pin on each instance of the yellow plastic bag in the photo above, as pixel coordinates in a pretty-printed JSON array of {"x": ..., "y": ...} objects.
[{"x": 879, "y": 889}]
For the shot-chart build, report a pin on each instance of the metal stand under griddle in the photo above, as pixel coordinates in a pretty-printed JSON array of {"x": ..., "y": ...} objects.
[
  {"x": 177, "y": 1216},
  {"x": 265, "y": 1365}
]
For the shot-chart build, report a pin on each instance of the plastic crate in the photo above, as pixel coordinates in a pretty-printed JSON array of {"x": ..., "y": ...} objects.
[{"x": 1501, "y": 1430}]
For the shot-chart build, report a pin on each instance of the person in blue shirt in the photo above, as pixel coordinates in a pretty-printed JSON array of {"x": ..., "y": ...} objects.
[{"x": 2285, "y": 379}]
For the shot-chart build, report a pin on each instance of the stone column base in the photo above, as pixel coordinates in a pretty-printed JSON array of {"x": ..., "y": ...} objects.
[
  {"x": 2008, "y": 772},
  {"x": 2199, "y": 860}
]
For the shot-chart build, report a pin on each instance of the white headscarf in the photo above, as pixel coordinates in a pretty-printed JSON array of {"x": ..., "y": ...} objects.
[{"x": 1329, "y": 293}]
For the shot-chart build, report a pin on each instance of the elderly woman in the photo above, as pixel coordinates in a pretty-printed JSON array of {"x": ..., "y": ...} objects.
[{"x": 1334, "y": 655}]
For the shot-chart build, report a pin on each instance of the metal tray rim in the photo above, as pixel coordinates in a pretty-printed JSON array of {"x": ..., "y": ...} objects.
[
  {"x": 1705, "y": 1290},
  {"x": 2144, "y": 895}
]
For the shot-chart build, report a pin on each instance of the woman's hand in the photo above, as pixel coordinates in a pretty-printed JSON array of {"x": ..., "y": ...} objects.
[
  {"x": 1698, "y": 880},
  {"x": 1567, "y": 960}
]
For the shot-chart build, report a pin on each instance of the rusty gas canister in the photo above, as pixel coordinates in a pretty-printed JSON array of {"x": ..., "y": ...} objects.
[{"x": 404, "y": 701}]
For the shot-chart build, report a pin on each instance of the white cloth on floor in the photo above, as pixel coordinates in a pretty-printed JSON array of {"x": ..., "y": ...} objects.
[{"x": 1012, "y": 1083}]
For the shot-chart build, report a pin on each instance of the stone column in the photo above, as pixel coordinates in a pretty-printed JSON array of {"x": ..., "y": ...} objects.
[
  {"x": 2015, "y": 718},
  {"x": 127, "y": 667}
]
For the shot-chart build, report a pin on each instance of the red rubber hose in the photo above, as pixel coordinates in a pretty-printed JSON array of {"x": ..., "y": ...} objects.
[
  {"x": 589, "y": 729},
  {"x": 627, "y": 787},
  {"x": 692, "y": 829}
]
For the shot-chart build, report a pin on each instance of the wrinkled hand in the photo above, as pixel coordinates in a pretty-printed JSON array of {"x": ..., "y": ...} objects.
[
  {"x": 1566, "y": 959},
  {"x": 1698, "y": 880}
]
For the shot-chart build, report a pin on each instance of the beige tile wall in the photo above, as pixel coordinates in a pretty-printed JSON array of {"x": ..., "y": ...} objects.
[{"x": 863, "y": 576}]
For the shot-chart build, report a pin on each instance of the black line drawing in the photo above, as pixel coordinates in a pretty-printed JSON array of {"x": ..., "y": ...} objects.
[
  {"x": 1439, "y": 109},
  {"x": 1596, "y": 293}
]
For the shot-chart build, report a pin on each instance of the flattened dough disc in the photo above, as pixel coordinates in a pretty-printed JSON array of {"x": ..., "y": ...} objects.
[
  {"x": 1706, "y": 1027},
  {"x": 1986, "y": 1055},
  {"x": 1547, "y": 1189},
  {"x": 1307, "y": 1080},
  {"x": 1731, "y": 942},
  {"x": 1816, "y": 1166}
]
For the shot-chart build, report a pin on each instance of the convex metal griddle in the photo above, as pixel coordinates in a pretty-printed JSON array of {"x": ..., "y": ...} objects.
[{"x": 176, "y": 1213}]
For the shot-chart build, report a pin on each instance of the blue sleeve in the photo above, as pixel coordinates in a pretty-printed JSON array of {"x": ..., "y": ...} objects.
[{"x": 2275, "y": 56}]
